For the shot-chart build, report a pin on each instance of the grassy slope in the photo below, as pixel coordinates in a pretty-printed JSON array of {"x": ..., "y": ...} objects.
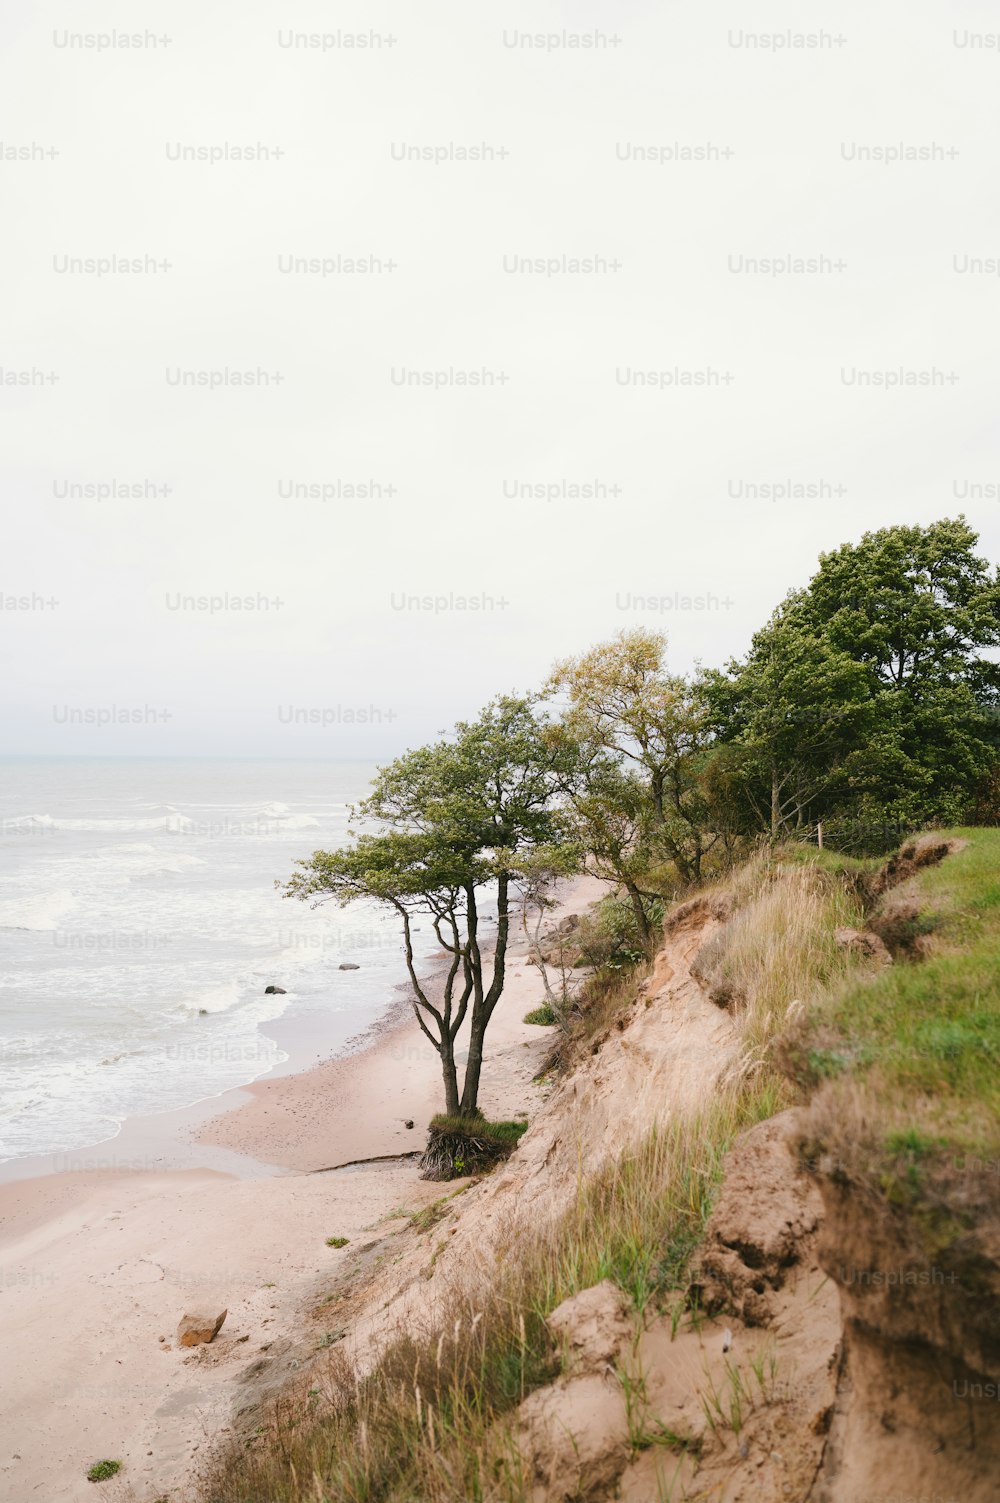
[
  {"x": 906, "y": 1060},
  {"x": 430, "y": 1423}
]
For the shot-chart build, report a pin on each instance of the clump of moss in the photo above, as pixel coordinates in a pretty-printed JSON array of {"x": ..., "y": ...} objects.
[{"x": 102, "y": 1470}]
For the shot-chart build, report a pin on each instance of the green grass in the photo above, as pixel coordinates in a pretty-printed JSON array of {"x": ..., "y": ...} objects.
[
  {"x": 835, "y": 863},
  {"x": 924, "y": 1037},
  {"x": 495, "y": 1132},
  {"x": 543, "y": 1016},
  {"x": 337, "y": 1241},
  {"x": 102, "y": 1470},
  {"x": 638, "y": 1221}
]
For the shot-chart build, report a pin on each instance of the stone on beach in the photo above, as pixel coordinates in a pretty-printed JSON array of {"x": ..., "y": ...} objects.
[{"x": 199, "y": 1329}]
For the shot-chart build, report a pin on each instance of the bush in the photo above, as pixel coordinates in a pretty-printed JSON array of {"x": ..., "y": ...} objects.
[
  {"x": 102, "y": 1470},
  {"x": 467, "y": 1145},
  {"x": 543, "y": 1016},
  {"x": 608, "y": 936}
]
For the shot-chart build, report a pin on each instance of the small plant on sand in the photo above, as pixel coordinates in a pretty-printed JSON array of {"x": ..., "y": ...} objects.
[
  {"x": 428, "y": 1217},
  {"x": 543, "y": 1016},
  {"x": 337, "y": 1241},
  {"x": 102, "y": 1470},
  {"x": 729, "y": 1404},
  {"x": 644, "y": 1429}
]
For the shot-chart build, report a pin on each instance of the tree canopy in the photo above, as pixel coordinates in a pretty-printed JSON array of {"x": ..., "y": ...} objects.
[
  {"x": 472, "y": 812},
  {"x": 866, "y": 693}
]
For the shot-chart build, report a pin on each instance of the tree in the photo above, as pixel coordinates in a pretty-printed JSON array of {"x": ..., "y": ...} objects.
[
  {"x": 458, "y": 817},
  {"x": 794, "y": 712},
  {"x": 610, "y": 812},
  {"x": 865, "y": 694},
  {"x": 914, "y": 606},
  {"x": 537, "y": 901},
  {"x": 640, "y": 737}
]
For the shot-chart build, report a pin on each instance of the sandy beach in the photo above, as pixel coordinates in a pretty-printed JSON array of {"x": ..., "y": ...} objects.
[{"x": 99, "y": 1263}]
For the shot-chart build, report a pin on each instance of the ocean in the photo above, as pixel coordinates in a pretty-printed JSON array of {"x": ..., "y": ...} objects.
[{"x": 140, "y": 925}]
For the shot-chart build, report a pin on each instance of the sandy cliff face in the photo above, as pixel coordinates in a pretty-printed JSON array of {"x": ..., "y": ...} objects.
[
  {"x": 665, "y": 1055},
  {"x": 799, "y": 1382},
  {"x": 867, "y": 1389},
  {"x": 917, "y": 1410},
  {"x": 733, "y": 1407},
  {"x": 746, "y": 1394}
]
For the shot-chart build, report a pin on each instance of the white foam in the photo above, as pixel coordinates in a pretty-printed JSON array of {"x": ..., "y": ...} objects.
[
  {"x": 171, "y": 822},
  {"x": 167, "y": 866},
  {"x": 217, "y": 998},
  {"x": 37, "y": 911}
]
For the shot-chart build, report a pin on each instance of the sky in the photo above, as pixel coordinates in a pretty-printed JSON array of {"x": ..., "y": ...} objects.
[{"x": 621, "y": 314}]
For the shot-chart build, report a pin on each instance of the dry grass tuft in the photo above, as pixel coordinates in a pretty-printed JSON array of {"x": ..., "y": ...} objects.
[{"x": 778, "y": 947}]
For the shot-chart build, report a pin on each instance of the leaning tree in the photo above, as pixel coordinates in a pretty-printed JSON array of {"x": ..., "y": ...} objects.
[{"x": 468, "y": 816}]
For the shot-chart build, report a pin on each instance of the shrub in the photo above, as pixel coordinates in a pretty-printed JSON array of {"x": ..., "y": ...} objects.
[
  {"x": 608, "y": 936},
  {"x": 543, "y": 1016},
  {"x": 337, "y": 1241},
  {"x": 102, "y": 1470}
]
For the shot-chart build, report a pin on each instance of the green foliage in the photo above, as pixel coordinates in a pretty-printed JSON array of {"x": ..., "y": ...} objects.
[
  {"x": 924, "y": 1038},
  {"x": 499, "y": 1132},
  {"x": 637, "y": 740},
  {"x": 608, "y": 935},
  {"x": 337, "y": 1241},
  {"x": 826, "y": 1064},
  {"x": 865, "y": 698},
  {"x": 478, "y": 810},
  {"x": 543, "y": 1016},
  {"x": 102, "y": 1470}
]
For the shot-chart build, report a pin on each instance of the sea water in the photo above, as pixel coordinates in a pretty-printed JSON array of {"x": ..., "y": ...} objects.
[{"x": 140, "y": 925}]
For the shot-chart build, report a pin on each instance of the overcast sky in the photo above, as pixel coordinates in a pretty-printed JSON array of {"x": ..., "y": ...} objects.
[{"x": 752, "y": 153}]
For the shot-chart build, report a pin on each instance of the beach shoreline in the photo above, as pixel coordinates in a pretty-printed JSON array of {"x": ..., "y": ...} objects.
[
  {"x": 171, "y": 1140},
  {"x": 99, "y": 1261}
]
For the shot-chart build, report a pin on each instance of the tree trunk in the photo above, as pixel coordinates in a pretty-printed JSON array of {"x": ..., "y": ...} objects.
[
  {"x": 641, "y": 921},
  {"x": 473, "y": 1069},
  {"x": 775, "y": 802},
  {"x": 656, "y": 784},
  {"x": 450, "y": 1075},
  {"x": 483, "y": 1006}
]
